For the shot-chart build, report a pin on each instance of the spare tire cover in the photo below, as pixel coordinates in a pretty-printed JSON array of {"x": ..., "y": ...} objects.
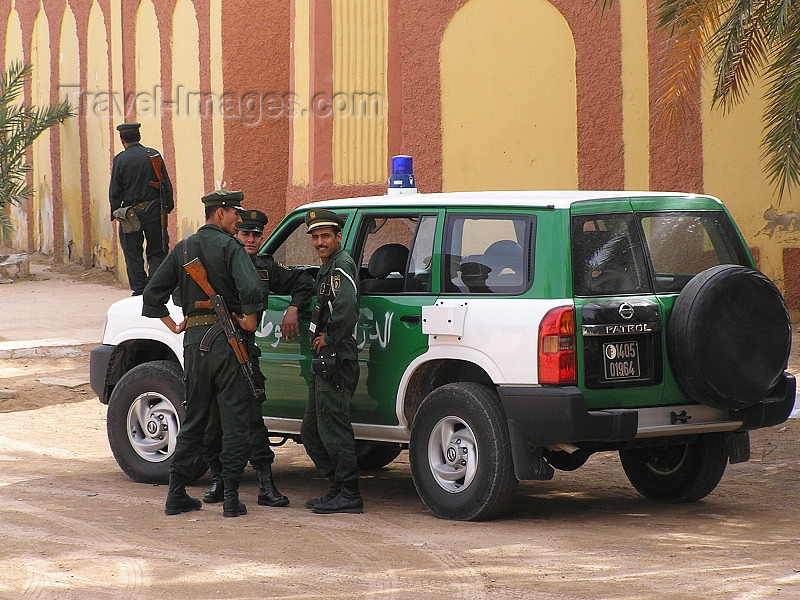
[{"x": 729, "y": 337}]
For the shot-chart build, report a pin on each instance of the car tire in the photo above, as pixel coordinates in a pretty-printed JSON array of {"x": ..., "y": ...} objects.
[
  {"x": 677, "y": 473},
  {"x": 371, "y": 456},
  {"x": 144, "y": 416},
  {"x": 729, "y": 337},
  {"x": 460, "y": 453}
]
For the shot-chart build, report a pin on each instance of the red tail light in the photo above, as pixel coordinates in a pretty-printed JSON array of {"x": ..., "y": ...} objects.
[{"x": 557, "y": 354}]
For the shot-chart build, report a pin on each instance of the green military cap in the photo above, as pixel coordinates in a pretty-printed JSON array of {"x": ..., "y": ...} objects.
[
  {"x": 231, "y": 198},
  {"x": 319, "y": 217},
  {"x": 127, "y": 127},
  {"x": 253, "y": 220}
]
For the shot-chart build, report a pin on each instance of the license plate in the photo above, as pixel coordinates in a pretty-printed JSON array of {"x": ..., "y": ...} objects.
[{"x": 621, "y": 360}]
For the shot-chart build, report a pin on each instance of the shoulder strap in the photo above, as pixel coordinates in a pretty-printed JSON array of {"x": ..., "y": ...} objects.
[{"x": 323, "y": 298}]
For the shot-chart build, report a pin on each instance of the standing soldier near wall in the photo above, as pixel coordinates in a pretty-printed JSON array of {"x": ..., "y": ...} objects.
[
  {"x": 327, "y": 432},
  {"x": 140, "y": 193}
]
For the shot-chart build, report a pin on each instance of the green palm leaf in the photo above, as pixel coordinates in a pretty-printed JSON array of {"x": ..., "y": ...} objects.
[{"x": 20, "y": 125}]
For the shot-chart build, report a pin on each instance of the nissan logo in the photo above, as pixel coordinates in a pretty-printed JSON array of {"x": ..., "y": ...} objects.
[{"x": 626, "y": 311}]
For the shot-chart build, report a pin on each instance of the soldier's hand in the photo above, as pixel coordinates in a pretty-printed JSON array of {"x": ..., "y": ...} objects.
[
  {"x": 290, "y": 328},
  {"x": 318, "y": 343},
  {"x": 172, "y": 326},
  {"x": 246, "y": 322},
  {"x": 181, "y": 326}
]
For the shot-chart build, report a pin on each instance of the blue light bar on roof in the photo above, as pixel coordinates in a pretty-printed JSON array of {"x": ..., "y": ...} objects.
[{"x": 402, "y": 180}]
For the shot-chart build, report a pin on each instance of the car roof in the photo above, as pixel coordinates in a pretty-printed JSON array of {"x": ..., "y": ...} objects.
[{"x": 557, "y": 199}]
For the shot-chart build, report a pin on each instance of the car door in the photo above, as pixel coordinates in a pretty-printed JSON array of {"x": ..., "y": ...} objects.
[
  {"x": 286, "y": 364},
  {"x": 620, "y": 320},
  {"x": 396, "y": 251}
]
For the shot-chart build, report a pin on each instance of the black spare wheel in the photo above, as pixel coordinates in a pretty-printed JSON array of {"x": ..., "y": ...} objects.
[{"x": 729, "y": 337}]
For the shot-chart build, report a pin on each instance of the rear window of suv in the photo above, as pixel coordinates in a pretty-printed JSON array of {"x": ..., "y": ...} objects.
[
  {"x": 488, "y": 254},
  {"x": 609, "y": 251}
]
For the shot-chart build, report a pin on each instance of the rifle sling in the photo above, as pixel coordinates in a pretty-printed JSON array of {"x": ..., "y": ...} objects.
[{"x": 323, "y": 298}]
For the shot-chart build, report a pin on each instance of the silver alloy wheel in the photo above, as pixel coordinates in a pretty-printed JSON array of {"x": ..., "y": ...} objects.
[
  {"x": 668, "y": 461},
  {"x": 452, "y": 454},
  {"x": 153, "y": 426}
]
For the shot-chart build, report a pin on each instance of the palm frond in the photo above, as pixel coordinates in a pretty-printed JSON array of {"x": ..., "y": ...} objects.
[
  {"x": 20, "y": 125},
  {"x": 741, "y": 47},
  {"x": 782, "y": 116},
  {"x": 689, "y": 24},
  {"x": 604, "y": 4}
]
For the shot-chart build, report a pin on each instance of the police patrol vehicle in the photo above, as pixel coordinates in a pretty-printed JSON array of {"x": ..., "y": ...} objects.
[{"x": 504, "y": 336}]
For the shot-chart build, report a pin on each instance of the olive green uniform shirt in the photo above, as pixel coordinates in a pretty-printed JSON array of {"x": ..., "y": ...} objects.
[
  {"x": 130, "y": 185},
  {"x": 277, "y": 278},
  {"x": 339, "y": 319},
  {"x": 230, "y": 272}
]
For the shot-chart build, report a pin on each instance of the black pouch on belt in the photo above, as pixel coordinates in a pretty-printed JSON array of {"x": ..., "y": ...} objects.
[{"x": 324, "y": 364}]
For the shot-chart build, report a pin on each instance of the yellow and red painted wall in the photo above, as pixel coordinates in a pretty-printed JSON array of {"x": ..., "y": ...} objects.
[{"x": 302, "y": 100}]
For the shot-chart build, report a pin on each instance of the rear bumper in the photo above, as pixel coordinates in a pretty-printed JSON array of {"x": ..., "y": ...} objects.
[
  {"x": 99, "y": 358},
  {"x": 546, "y": 416}
]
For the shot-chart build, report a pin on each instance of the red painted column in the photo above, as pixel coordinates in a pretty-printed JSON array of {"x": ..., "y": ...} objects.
[{"x": 255, "y": 66}]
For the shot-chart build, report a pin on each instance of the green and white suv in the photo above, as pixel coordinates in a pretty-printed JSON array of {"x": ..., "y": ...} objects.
[{"x": 507, "y": 334}]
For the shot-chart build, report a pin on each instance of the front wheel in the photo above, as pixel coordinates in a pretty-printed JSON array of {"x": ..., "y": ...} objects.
[
  {"x": 677, "y": 473},
  {"x": 144, "y": 416},
  {"x": 460, "y": 453}
]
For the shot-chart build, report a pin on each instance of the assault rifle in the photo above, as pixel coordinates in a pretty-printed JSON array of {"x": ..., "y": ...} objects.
[
  {"x": 215, "y": 302},
  {"x": 157, "y": 167}
]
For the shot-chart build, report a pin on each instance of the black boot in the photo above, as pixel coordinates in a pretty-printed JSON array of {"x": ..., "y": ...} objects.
[
  {"x": 332, "y": 492},
  {"x": 347, "y": 501},
  {"x": 216, "y": 493},
  {"x": 178, "y": 501},
  {"x": 231, "y": 507},
  {"x": 268, "y": 494}
]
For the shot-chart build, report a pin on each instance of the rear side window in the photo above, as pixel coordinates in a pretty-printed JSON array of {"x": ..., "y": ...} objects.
[
  {"x": 488, "y": 254},
  {"x": 682, "y": 244},
  {"x": 607, "y": 256},
  {"x": 396, "y": 253}
]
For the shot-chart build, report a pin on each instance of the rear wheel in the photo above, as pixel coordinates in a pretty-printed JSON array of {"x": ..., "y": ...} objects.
[
  {"x": 460, "y": 453},
  {"x": 677, "y": 473},
  {"x": 144, "y": 416}
]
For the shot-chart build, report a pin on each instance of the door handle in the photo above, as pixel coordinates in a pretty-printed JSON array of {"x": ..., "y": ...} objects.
[{"x": 411, "y": 318}]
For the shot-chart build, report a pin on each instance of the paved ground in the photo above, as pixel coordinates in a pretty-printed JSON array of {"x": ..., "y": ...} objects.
[{"x": 72, "y": 526}]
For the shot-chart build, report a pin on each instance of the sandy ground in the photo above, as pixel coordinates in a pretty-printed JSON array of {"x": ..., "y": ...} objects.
[{"x": 73, "y": 526}]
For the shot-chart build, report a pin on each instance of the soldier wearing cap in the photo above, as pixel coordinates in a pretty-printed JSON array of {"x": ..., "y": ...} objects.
[
  {"x": 213, "y": 375},
  {"x": 134, "y": 184},
  {"x": 276, "y": 278},
  {"x": 327, "y": 432}
]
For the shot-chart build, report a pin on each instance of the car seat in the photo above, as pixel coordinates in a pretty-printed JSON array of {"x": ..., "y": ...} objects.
[{"x": 387, "y": 259}]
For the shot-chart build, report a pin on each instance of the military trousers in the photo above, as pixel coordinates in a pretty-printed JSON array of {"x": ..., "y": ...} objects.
[
  {"x": 214, "y": 378},
  {"x": 133, "y": 248},
  {"x": 327, "y": 432},
  {"x": 261, "y": 454}
]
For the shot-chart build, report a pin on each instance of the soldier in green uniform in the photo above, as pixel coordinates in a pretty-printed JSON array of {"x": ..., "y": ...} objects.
[
  {"x": 134, "y": 184},
  {"x": 277, "y": 279},
  {"x": 327, "y": 432},
  {"x": 213, "y": 375}
]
